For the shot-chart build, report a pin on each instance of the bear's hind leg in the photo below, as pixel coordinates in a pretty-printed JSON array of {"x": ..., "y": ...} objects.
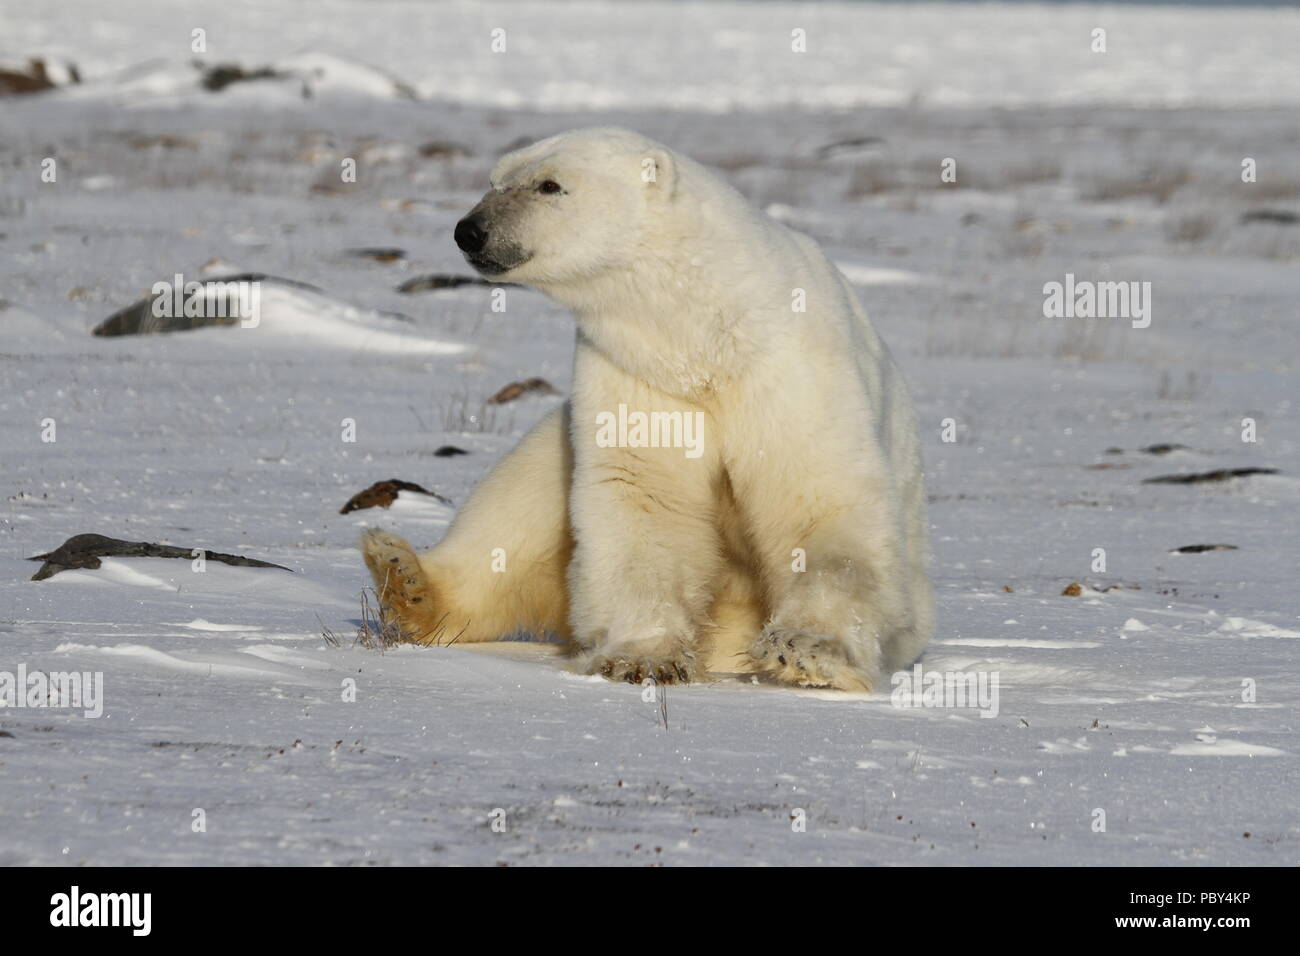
[
  {"x": 499, "y": 570},
  {"x": 408, "y": 600}
]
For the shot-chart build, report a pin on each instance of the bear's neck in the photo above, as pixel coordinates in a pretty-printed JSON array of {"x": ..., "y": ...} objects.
[{"x": 668, "y": 321}]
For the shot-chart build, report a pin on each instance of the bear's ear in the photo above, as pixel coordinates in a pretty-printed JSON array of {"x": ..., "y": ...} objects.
[{"x": 659, "y": 172}]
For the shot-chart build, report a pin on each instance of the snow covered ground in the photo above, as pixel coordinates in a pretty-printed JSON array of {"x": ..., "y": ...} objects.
[
  {"x": 713, "y": 55},
  {"x": 1170, "y": 702}
]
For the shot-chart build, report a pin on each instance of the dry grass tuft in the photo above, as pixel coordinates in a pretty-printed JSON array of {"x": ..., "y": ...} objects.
[
  {"x": 1191, "y": 227},
  {"x": 376, "y": 632}
]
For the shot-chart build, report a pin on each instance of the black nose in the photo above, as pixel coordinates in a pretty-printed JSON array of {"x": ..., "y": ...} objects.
[{"x": 470, "y": 235}]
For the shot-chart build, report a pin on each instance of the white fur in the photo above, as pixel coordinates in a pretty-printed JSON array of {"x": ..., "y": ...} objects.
[{"x": 665, "y": 565}]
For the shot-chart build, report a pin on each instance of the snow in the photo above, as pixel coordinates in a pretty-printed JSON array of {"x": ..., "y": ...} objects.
[{"x": 1170, "y": 702}]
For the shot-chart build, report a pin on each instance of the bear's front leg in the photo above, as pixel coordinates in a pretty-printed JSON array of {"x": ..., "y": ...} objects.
[
  {"x": 837, "y": 604},
  {"x": 822, "y": 515},
  {"x": 646, "y": 555}
]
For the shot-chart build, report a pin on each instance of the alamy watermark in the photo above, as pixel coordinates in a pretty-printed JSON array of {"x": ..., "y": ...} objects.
[
  {"x": 1085, "y": 299},
  {"x": 214, "y": 299},
  {"x": 76, "y": 690},
  {"x": 946, "y": 689},
  {"x": 637, "y": 429},
  {"x": 75, "y": 908}
]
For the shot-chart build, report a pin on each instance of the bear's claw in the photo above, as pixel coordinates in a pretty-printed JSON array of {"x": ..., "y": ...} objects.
[{"x": 635, "y": 668}]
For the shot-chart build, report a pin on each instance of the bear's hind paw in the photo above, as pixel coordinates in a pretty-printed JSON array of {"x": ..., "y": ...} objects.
[{"x": 407, "y": 601}]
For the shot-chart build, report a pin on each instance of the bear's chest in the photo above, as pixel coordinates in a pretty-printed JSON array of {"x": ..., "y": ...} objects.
[{"x": 688, "y": 357}]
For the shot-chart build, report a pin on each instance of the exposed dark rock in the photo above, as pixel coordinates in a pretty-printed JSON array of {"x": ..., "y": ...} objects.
[
  {"x": 439, "y": 281},
  {"x": 35, "y": 79},
  {"x": 85, "y": 550},
  {"x": 851, "y": 145},
  {"x": 1201, "y": 548},
  {"x": 1223, "y": 474},
  {"x": 448, "y": 451},
  {"x": 217, "y": 78},
  {"x": 1163, "y": 449},
  {"x": 1280, "y": 217},
  {"x": 383, "y": 493},
  {"x": 219, "y": 307}
]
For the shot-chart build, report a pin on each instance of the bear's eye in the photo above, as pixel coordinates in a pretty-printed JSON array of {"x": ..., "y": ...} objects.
[{"x": 549, "y": 186}]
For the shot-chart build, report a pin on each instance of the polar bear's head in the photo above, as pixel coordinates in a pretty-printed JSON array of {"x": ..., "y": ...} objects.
[{"x": 568, "y": 208}]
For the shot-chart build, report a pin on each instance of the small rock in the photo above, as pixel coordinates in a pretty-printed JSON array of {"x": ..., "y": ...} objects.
[
  {"x": 379, "y": 254},
  {"x": 852, "y": 145},
  {"x": 518, "y": 389},
  {"x": 439, "y": 149},
  {"x": 162, "y": 141}
]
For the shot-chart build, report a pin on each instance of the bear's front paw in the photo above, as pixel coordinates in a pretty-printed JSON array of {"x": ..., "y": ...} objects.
[
  {"x": 808, "y": 659},
  {"x": 634, "y": 668}
]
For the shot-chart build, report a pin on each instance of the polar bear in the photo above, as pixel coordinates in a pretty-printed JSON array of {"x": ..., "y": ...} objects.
[{"x": 735, "y": 483}]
